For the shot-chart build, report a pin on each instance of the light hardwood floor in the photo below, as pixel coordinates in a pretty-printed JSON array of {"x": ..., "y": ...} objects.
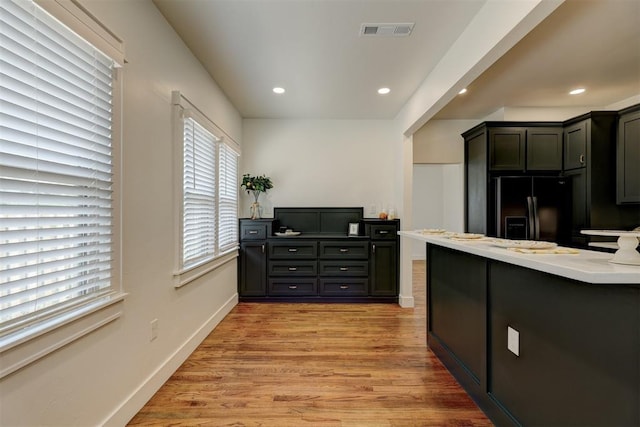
[{"x": 280, "y": 364}]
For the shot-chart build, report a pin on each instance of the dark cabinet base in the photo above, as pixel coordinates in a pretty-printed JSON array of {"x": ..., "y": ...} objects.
[
  {"x": 579, "y": 344},
  {"x": 319, "y": 266}
]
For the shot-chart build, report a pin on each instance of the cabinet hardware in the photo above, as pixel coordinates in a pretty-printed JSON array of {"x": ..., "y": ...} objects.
[
  {"x": 581, "y": 159},
  {"x": 383, "y": 232},
  {"x": 253, "y": 231},
  {"x": 344, "y": 286},
  {"x": 293, "y": 286},
  {"x": 373, "y": 249},
  {"x": 344, "y": 250},
  {"x": 293, "y": 268},
  {"x": 344, "y": 268},
  {"x": 262, "y": 248},
  {"x": 293, "y": 250}
]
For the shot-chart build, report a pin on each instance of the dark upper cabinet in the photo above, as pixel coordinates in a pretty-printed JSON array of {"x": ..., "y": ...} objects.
[
  {"x": 590, "y": 163},
  {"x": 505, "y": 148},
  {"x": 575, "y": 144},
  {"x": 544, "y": 149},
  {"x": 628, "y": 156},
  {"x": 523, "y": 149}
]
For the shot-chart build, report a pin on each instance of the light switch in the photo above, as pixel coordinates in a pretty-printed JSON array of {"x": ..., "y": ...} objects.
[{"x": 513, "y": 341}]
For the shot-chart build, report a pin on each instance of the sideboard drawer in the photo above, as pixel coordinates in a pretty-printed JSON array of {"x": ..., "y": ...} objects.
[
  {"x": 293, "y": 250},
  {"x": 383, "y": 231},
  {"x": 344, "y": 287},
  {"x": 293, "y": 287},
  {"x": 293, "y": 268},
  {"x": 344, "y": 268},
  {"x": 253, "y": 231},
  {"x": 344, "y": 250}
]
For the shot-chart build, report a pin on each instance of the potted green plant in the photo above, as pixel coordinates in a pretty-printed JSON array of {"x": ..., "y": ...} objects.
[{"x": 256, "y": 185}]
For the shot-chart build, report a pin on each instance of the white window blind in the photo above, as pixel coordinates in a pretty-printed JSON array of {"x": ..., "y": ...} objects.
[
  {"x": 228, "y": 205},
  {"x": 55, "y": 169},
  {"x": 199, "y": 233}
]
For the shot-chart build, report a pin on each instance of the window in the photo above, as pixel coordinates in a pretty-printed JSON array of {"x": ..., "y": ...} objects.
[
  {"x": 58, "y": 232},
  {"x": 198, "y": 194},
  {"x": 228, "y": 206},
  {"x": 209, "y": 192}
]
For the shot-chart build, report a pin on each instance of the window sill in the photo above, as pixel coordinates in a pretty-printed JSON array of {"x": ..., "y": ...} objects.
[
  {"x": 24, "y": 347},
  {"x": 189, "y": 275}
]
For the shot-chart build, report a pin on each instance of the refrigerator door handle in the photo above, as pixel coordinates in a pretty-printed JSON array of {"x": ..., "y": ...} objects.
[
  {"x": 531, "y": 216},
  {"x": 536, "y": 219}
]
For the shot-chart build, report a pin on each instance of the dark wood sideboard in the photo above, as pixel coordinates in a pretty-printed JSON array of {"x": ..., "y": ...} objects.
[{"x": 324, "y": 263}]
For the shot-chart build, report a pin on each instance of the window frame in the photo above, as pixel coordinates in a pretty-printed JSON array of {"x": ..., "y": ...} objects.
[
  {"x": 182, "y": 109},
  {"x": 23, "y": 347}
]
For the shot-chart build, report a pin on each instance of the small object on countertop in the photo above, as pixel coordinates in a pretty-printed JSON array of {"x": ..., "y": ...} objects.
[{"x": 553, "y": 251}]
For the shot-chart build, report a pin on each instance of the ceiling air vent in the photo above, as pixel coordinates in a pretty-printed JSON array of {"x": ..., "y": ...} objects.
[{"x": 386, "y": 30}]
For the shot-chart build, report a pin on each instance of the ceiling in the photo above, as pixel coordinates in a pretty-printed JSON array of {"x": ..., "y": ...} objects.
[{"x": 313, "y": 49}]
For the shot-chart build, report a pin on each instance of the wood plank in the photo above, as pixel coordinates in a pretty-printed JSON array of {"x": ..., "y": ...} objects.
[{"x": 296, "y": 364}]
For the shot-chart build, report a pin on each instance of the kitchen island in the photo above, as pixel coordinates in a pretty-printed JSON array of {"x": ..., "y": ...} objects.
[{"x": 536, "y": 339}]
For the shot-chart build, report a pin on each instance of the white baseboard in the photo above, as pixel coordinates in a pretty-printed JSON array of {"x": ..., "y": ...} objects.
[
  {"x": 406, "y": 302},
  {"x": 139, "y": 397}
]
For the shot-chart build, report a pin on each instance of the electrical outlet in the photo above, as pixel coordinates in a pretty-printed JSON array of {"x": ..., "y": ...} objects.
[
  {"x": 154, "y": 329},
  {"x": 513, "y": 341}
]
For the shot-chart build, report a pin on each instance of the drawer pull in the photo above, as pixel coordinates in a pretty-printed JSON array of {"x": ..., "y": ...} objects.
[
  {"x": 293, "y": 268},
  {"x": 293, "y": 250},
  {"x": 344, "y": 268},
  {"x": 344, "y": 286},
  {"x": 253, "y": 231},
  {"x": 383, "y": 232},
  {"x": 293, "y": 286},
  {"x": 344, "y": 250}
]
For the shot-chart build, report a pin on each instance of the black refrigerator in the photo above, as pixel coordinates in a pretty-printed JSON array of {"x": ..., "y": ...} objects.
[{"x": 533, "y": 208}]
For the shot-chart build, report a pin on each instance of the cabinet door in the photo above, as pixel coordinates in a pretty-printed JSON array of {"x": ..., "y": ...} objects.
[
  {"x": 575, "y": 145},
  {"x": 507, "y": 149},
  {"x": 384, "y": 268},
  {"x": 476, "y": 184},
  {"x": 253, "y": 269},
  {"x": 579, "y": 204},
  {"x": 544, "y": 149},
  {"x": 628, "y": 151}
]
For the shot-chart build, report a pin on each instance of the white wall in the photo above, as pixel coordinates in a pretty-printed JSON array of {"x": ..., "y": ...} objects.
[
  {"x": 321, "y": 163},
  {"x": 108, "y": 375},
  {"x": 438, "y": 199}
]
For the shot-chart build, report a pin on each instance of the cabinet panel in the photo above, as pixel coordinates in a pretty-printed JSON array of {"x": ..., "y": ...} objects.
[
  {"x": 578, "y": 362},
  {"x": 293, "y": 249},
  {"x": 252, "y": 268},
  {"x": 383, "y": 231},
  {"x": 384, "y": 268},
  {"x": 544, "y": 149},
  {"x": 457, "y": 299},
  {"x": 293, "y": 268},
  {"x": 507, "y": 149},
  {"x": 344, "y": 250},
  {"x": 344, "y": 287},
  {"x": 575, "y": 145},
  {"x": 628, "y": 159},
  {"x": 344, "y": 268},
  {"x": 476, "y": 182},
  {"x": 293, "y": 287}
]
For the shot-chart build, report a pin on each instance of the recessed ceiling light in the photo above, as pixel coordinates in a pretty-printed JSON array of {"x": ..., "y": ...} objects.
[
  {"x": 278, "y": 90},
  {"x": 463, "y": 91},
  {"x": 384, "y": 90},
  {"x": 577, "y": 91}
]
